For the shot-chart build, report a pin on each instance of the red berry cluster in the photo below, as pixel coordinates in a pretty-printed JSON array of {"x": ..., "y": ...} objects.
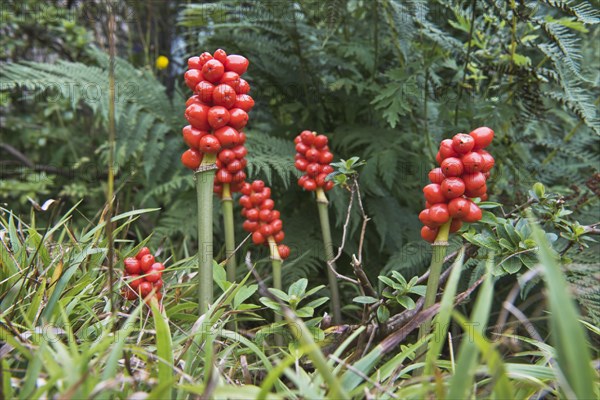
[
  {"x": 145, "y": 274},
  {"x": 231, "y": 164},
  {"x": 464, "y": 169},
  {"x": 261, "y": 219},
  {"x": 313, "y": 158},
  {"x": 217, "y": 112}
]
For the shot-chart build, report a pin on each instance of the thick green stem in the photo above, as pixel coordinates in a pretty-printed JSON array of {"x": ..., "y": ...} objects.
[
  {"x": 276, "y": 262},
  {"x": 204, "y": 192},
  {"x": 435, "y": 269},
  {"x": 227, "y": 208},
  {"x": 322, "y": 204}
]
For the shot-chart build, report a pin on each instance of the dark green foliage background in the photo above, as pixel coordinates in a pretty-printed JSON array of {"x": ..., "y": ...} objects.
[{"x": 385, "y": 80}]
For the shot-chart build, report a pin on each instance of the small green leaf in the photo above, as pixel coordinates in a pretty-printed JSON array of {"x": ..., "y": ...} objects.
[
  {"x": 365, "y": 300},
  {"x": 383, "y": 314},
  {"x": 406, "y": 302},
  {"x": 298, "y": 288}
]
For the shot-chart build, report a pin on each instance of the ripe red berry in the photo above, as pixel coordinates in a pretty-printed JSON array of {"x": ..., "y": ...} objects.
[
  {"x": 191, "y": 158},
  {"x": 284, "y": 251},
  {"x": 429, "y": 234},
  {"x": 132, "y": 265},
  {"x": 310, "y": 185},
  {"x": 258, "y": 238},
  {"x": 439, "y": 213},
  {"x": 488, "y": 160},
  {"x": 197, "y": 115},
  {"x": 146, "y": 262},
  {"x": 232, "y": 79},
  {"x": 142, "y": 252},
  {"x": 321, "y": 180},
  {"x": 235, "y": 63},
  {"x": 436, "y": 176},
  {"x": 312, "y": 155},
  {"x": 205, "y": 90},
  {"x": 194, "y": 63},
  {"x": 279, "y": 236},
  {"x": 267, "y": 204},
  {"x": 239, "y": 150},
  {"x": 312, "y": 170},
  {"x": 227, "y": 136},
  {"x": 145, "y": 288},
  {"x": 192, "y": 136},
  {"x": 462, "y": 143},
  {"x": 433, "y": 193},
  {"x": 258, "y": 186},
  {"x": 234, "y": 166},
  {"x": 426, "y": 219},
  {"x": 223, "y": 176},
  {"x": 452, "y": 166},
  {"x": 458, "y": 208},
  {"x": 452, "y": 187},
  {"x": 328, "y": 185},
  {"x": 209, "y": 144},
  {"x": 474, "y": 213},
  {"x": 446, "y": 150},
  {"x": 238, "y": 118},
  {"x": 239, "y": 177},
  {"x": 250, "y": 226},
  {"x": 325, "y": 157},
  {"x": 265, "y": 215},
  {"x": 244, "y": 101},
  {"x": 225, "y": 96},
  {"x": 307, "y": 137},
  {"x": 192, "y": 78},
  {"x": 226, "y": 156},
  {"x": 129, "y": 294},
  {"x": 204, "y": 57},
  {"x": 482, "y": 136},
  {"x": 153, "y": 275},
  {"x": 220, "y": 55},
  {"x": 476, "y": 192},
  {"x": 320, "y": 141},
  {"x": 213, "y": 70},
  {"x": 252, "y": 214},
  {"x": 277, "y": 225},
  {"x": 243, "y": 87},
  {"x": 217, "y": 117},
  {"x": 301, "y": 148},
  {"x": 301, "y": 164},
  {"x": 135, "y": 281},
  {"x": 473, "y": 162},
  {"x": 473, "y": 181},
  {"x": 266, "y": 230}
]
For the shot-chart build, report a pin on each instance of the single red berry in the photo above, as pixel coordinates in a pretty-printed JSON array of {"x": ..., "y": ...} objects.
[
  {"x": 197, "y": 115},
  {"x": 220, "y": 55},
  {"x": 252, "y": 214},
  {"x": 325, "y": 157},
  {"x": 135, "y": 281},
  {"x": 243, "y": 87},
  {"x": 258, "y": 238},
  {"x": 132, "y": 265},
  {"x": 244, "y": 101},
  {"x": 488, "y": 161},
  {"x": 312, "y": 170},
  {"x": 226, "y": 156},
  {"x": 482, "y": 136},
  {"x": 204, "y": 57},
  {"x": 321, "y": 180},
  {"x": 194, "y": 63},
  {"x": 455, "y": 225},
  {"x": 238, "y": 118},
  {"x": 301, "y": 164},
  {"x": 232, "y": 79},
  {"x": 146, "y": 262},
  {"x": 426, "y": 219},
  {"x": 320, "y": 141},
  {"x": 310, "y": 185},
  {"x": 458, "y": 208},
  {"x": 436, "y": 176},
  {"x": 302, "y": 180},
  {"x": 224, "y": 95},
  {"x": 473, "y": 162},
  {"x": 191, "y": 158},
  {"x": 223, "y": 176},
  {"x": 473, "y": 181},
  {"x": 142, "y": 252},
  {"x": 328, "y": 185},
  {"x": 279, "y": 236},
  {"x": 258, "y": 186},
  {"x": 326, "y": 169},
  {"x": 235, "y": 63},
  {"x": 234, "y": 166},
  {"x": 209, "y": 144},
  {"x": 462, "y": 143},
  {"x": 307, "y": 137},
  {"x": 218, "y": 117},
  {"x": 194, "y": 100},
  {"x": 266, "y": 230},
  {"x": 153, "y": 275},
  {"x": 265, "y": 215},
  {"x": 474, "y": 213},
  {"x": 239, "y": 177},
  {"x": 213, "y": 70},
  {"x": 476, "y": 192},
  {"x": 312, "y": 155},
  {"x": 452, "y": 166},
  {"x": 301, "y": 148},
  {"x": 433, "y": 193},
  {"x": 268, "y": 204},
  {"x": 239, "y": 150},
  {"x": 228, "y": 137},
  {"x": 284, "y": 251},
  {"x": 192, "y": 78},
  {"x": 453, "y": 187},
  {"x": 145, "y": 288},
  {"x": 192, "y": 136},
  {"x": 277, "y": 225},
  {"x": 439, "y": 213},
  {"x": 250, "y": 226},
  {"x": 446, "y": 150},
  {"x": 205, "y": 90},
  {"x": 429, "y": 234}
]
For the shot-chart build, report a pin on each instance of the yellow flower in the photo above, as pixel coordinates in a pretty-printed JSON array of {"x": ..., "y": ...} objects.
[{"x": 162, "y": 62}]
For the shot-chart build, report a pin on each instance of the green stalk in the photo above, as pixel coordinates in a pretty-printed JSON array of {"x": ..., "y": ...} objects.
[
  {"x": 276, "y": 263},
  {"x": 322, "y": 204},
  {"x": 435, "y": 269},
  {"x": 227, "y": 209},
  {"x": 204, "y": 194}
]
